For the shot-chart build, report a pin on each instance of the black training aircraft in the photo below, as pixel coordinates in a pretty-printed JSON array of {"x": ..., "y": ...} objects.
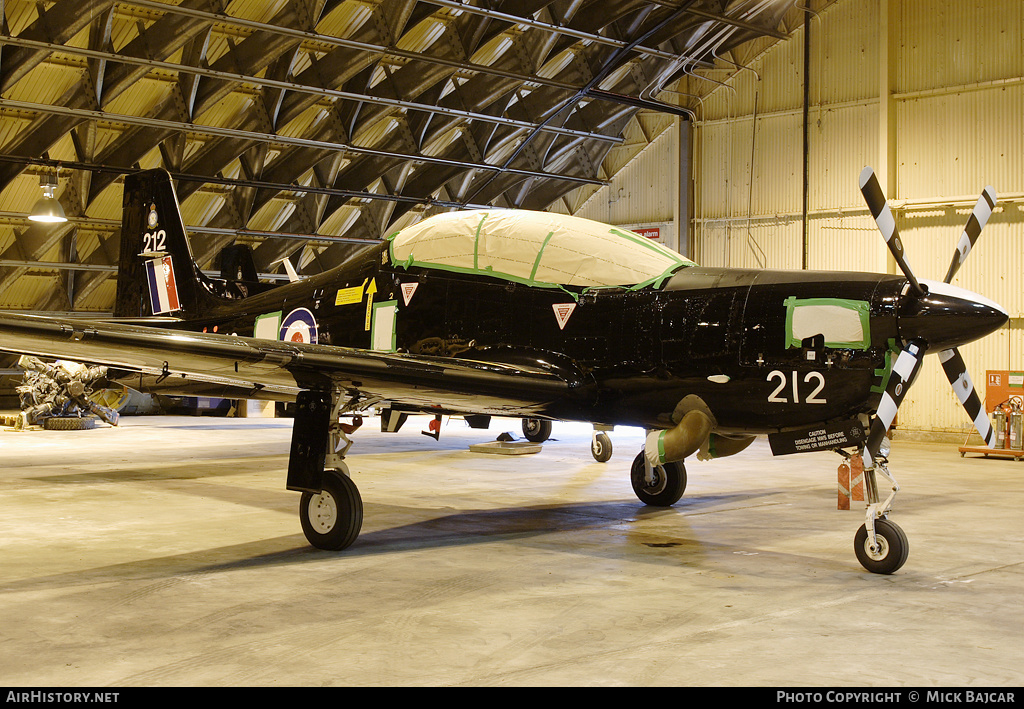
[{"x": 535, "y": 316}]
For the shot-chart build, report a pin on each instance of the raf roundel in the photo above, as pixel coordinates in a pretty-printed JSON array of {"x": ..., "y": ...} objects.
[{"x": 299, "y": 326}]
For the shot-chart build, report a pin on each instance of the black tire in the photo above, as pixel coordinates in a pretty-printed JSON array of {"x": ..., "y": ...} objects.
[
  {"x": 892, "y": 552},
  {"x": 669, "y": 484},
  {"x": 601, "y": 448},
  {"x": 332, "y": 519},
  {"x": 536, "y": 430},
  {"x": 69, "y": 423}
]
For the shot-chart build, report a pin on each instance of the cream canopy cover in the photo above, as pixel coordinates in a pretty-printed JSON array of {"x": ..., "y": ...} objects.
[{"x": 536, "y": 248}]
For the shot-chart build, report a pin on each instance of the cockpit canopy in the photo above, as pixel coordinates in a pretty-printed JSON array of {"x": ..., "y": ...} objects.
[{"x": 535, "y": 248}]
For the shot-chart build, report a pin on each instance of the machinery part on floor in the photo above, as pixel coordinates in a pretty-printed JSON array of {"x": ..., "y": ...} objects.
[
  {"x": 69, "y": 423},
  {"x": 61, "y": 390}
]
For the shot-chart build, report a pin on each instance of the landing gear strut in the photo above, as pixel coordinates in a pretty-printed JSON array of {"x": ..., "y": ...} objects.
[
  {"x": 881, "y": 546},
  {"x": 331, "y": 509}
]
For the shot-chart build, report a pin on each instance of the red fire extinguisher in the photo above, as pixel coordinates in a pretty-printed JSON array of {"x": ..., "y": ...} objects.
[{"x": 1007, "y": 415}]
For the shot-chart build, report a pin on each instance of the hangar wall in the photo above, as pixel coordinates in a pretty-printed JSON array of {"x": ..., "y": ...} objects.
[
  {"x": 643, "y": 192},
  {"x": 929, "y": 93}
]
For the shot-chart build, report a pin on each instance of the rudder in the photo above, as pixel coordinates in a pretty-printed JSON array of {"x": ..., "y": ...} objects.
[{"x": 157, "y": 274}]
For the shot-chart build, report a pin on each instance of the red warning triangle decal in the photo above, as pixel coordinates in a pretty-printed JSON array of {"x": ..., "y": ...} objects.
[
  {"x": 407, "y": 290},
  {"x": 562, "y": 313}
]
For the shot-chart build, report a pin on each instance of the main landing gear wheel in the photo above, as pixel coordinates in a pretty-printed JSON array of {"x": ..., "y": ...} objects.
[
  {"x": 668, "y": 485},
  {"x": 536, "y": 430},
  {"x": 332, "y": 519},
  {"x": 891, "y": 551},
  {"x": 601, "y": 447}
]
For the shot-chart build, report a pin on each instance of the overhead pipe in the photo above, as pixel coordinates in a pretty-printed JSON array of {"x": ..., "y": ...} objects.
[{"x": 806, "y": 149}]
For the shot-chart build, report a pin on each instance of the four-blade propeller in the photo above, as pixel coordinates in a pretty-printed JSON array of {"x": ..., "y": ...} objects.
[{"x": 908, "y": 363}]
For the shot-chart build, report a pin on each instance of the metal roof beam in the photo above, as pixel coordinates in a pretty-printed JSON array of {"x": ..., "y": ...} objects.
[
  {"x": 292, "y": 86},
  {"x": 352, "y": 44},
  {"x": 56, "y": 25},
  {"x": 565, "y": 30}
]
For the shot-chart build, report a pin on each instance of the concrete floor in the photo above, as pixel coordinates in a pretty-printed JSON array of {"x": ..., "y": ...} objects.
[{"x": 167, "y": 552}]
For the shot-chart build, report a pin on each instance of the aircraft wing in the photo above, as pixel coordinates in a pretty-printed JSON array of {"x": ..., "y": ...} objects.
[{"x": 280, "y": 369}]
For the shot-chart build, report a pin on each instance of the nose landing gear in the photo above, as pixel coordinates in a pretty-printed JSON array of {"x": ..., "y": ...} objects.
[{"x": 880, "y": 545}]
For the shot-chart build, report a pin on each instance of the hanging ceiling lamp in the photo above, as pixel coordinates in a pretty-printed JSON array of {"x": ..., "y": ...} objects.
[{"x": 48, "y": 209}]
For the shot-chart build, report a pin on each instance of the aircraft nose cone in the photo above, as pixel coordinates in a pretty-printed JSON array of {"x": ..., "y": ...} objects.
[{"x": 948, "y": 316}]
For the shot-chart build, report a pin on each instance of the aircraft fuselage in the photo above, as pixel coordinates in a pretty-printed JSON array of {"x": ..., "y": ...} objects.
[{"x": 725, "y": 335}]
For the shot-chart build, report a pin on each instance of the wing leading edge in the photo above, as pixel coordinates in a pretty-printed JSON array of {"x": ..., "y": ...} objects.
[{"x": 281, "y": 369}]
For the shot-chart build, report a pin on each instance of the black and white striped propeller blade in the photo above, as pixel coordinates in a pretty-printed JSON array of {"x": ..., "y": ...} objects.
[
  {"x": 909, "y": 361},
  {"x": 956, "y": 372},
  {"x": 879, "y": 207},
  {"x": 975, "y": 223},
  {"x": 902, "y": 376}
]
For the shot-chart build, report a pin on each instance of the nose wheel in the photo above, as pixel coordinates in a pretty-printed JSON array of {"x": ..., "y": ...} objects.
[
  {"x": 889, "y": 550},
  {"x": 658, "y": 485}
]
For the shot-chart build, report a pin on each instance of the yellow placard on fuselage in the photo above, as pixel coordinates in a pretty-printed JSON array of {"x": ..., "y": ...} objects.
[{"x": 350, "y": 296}]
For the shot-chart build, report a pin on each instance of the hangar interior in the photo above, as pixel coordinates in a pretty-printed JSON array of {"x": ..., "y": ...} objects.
[
  {"x": 166, "y": 552},
  {"x": 724, "y": 126}
]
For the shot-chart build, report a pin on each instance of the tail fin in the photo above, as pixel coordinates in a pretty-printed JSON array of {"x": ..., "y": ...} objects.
[{"x": 156, "y": 272}]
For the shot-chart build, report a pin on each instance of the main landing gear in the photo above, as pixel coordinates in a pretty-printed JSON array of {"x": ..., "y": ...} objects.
[{"x": 331, "y": 509}]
